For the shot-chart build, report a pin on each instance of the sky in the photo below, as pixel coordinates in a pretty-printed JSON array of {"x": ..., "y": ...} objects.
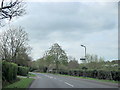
[{"x": 70, "y": 24}]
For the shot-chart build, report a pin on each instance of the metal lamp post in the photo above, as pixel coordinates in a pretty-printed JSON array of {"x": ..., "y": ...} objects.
[
  {"x": 85, "y": 52},
  {"x": 84, "y": 59}
]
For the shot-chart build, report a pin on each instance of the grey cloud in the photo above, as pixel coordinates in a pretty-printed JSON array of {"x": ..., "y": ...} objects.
[
  {"x": 69, "y": 16},
  {"x": 68, "y": 24}
]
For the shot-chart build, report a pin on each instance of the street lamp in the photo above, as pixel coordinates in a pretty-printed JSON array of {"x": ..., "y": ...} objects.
[
  {"x": 84, "y": 59},
  {"x": 85, "y": 52}
]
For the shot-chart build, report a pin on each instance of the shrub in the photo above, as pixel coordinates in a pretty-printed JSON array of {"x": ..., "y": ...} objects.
[
  {"x": 115, "y": 75},
  {"x": 23, "y": 70},
  {"x": 9, "y": 71}
]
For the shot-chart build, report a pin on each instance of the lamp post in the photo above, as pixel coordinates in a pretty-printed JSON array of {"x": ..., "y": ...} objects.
[
  {"x": 85, "y": 50},
  {"x": 84, "y": 59}
]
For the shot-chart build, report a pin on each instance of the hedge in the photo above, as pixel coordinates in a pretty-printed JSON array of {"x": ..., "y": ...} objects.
[
  {"x": 23, "y": 70},
  {"x": 99, "y": 74},
  {"x": 9, "y": 71}
]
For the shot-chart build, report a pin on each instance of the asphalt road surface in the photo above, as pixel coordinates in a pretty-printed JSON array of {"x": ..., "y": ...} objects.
[{"x": 58, "y": 81}]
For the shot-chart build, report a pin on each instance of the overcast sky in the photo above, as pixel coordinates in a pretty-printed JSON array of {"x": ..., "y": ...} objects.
[{"x": 71, "y": 24}]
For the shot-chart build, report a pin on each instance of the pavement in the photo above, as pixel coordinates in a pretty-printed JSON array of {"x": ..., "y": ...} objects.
[
  {"x": 27, "y": 77},
  {"x": 43, "y": 80}
]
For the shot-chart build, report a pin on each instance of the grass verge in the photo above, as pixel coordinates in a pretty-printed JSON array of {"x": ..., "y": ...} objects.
[
  {"x": 23, "y": 83},
  {"x": 31, "y": 75},
  {"x": 5, "y": 83}
]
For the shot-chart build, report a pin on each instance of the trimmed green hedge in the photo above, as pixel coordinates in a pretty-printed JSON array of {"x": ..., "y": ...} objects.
[
  {"x": 23, "y": 70},
  {"x": 99, "y": 74},
  {"x": 9, "y": 71}
]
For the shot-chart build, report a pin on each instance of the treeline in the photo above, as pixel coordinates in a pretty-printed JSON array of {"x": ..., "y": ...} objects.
[{"x": 55, "y": 60}]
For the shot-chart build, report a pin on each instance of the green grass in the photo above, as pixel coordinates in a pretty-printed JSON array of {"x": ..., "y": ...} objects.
[
  {"x": 5, "y": 83},
  {"x": 23, "y": 83},
  {"x": 32, "y": 75},
  {"x": 112, "y": 81}
]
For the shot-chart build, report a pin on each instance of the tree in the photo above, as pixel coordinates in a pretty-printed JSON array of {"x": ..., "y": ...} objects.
[
  {"x": 10, "y": 9},
  {"x": 33, "y": 65},
  {"x": 93, "y": 62},
  {"x": 58, "y": 55},
  {"x": 42, "y": 66},
  {"x": 73, "y": 63},
  {"x": 49, "y": 61},
  {"x": 13, "y": 45},
  {"x": 23, "y": 58},
  {"x": 55, "y": 58}
]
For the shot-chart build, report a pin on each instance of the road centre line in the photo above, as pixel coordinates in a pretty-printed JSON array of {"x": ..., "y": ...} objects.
[
  {"x": 48, "y": 76},
  {"x": 69, "y": 84}
]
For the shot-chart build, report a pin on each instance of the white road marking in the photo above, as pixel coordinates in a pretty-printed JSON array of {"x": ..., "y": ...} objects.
[
  {"x": 69, "y": 84},
  {"x": 48, "y": 76}
]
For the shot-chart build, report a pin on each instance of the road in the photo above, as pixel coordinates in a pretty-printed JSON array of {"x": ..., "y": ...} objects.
[{"x": 59, "y": 81}]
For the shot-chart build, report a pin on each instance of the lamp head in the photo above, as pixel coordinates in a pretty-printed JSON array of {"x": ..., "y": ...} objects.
[{"x": 82, "y": 45}]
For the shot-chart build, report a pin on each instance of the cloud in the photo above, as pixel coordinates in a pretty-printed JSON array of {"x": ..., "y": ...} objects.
[
  {"x": 71, "y": 16},
  {"x": 71, "y": 24}
]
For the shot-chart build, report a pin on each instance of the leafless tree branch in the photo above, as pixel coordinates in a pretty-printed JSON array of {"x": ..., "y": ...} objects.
[
  {"x": 13, "y": 45},
  {"x": 13, "y": 8}
]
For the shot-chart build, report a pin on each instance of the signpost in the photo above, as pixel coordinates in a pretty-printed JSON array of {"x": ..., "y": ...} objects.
[{"x": 82, "y": 59}]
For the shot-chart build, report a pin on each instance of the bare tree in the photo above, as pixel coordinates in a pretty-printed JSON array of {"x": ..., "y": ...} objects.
[
  {"x": 93, "y": 62},
  {"x": 13, "y": 44},
  {"x": 11, "y": 8},
  {"x": 73, "y": 63}
]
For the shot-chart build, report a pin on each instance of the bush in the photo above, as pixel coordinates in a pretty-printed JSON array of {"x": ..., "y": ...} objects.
[
  {"x": 116, "y": 75},
  {"x": 23, "y": 70},
  {"x": 9, "y": 71}
]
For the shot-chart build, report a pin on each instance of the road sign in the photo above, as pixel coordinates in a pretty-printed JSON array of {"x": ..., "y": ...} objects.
[{"x": 82, "y": 59}]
